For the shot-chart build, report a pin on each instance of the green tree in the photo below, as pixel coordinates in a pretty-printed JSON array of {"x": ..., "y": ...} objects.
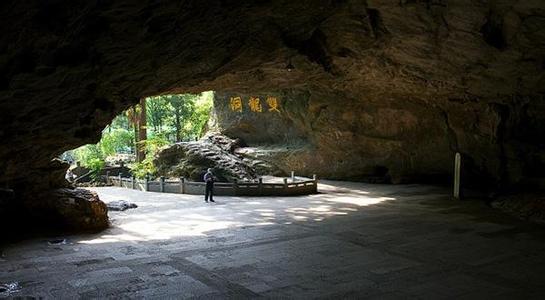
[
  {"x": 179, "y": 116},
  {"x": 182, "y": 107},
  {"x": 90, "y": 156},
  {"x": 142, "y": 132},
  {"x": 114, "y": 141},
  {"x": 121, "y": 121},
  {"x": 136, "y": 116},
  {"x": 153, "y": 144},
  {"x": 157, "y": 111},
  {"x": 200, "y": 116}
]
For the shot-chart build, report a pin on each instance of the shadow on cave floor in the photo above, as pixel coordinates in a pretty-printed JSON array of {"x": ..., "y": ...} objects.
[{"x": 351, "y": 240}]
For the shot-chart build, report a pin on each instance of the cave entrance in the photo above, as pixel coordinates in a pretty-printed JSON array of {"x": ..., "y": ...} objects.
[{"x": 129, "y": 143}]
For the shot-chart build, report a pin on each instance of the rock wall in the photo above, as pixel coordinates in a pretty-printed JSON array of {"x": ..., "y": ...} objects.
[
  {"x": 411, "y": 80},
  {"x": 342, "y": 138},
  {"x": 407, "y": 84}
]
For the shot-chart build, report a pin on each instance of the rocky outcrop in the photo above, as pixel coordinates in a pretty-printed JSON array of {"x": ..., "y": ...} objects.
[
  {"x": 192, "y": 159},
  {"x": 393, "y": 87},
  {"x": 72, "y": 209}
]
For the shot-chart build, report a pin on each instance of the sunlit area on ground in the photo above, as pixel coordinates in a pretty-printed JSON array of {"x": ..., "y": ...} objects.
[
  {"x": 350, "y": 233},
  {"x": 168, "y": 216}
]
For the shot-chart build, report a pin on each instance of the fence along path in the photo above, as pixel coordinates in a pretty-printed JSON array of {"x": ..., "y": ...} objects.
[{"x": 183, "y": 186}]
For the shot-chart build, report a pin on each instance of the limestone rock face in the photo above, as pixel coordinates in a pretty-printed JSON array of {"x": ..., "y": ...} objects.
[
  {"x": 73, "y": 209},
  {"x": 192, "y": 159},
  {"x": 392, "y": 86},
  {"x": 382, "y": 142}
]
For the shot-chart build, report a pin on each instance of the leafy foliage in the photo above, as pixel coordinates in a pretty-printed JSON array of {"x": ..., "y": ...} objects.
[
  {"x": 87, "y": 153},
  {"x": 153, "y": 145},
  {"x": 180, "y": 116},
  {"x": 202, "y": 112},
  {"x": 91, "y": 157},
  {"x": 170, "y": 118},
  {"x": 141, "y": 169},
  {"x": 157, "y": 112},
  {"x": 116, "y": 141}
]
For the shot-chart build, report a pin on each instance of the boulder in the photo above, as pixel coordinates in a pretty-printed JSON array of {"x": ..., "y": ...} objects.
[
  {"x": 72, "y": 209},
  {"x": 120, "y": 205},
  {"x": 216, "y": 151}
]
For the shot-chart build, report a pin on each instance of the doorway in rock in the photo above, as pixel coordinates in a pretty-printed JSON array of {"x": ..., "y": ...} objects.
[{"x": 129, "y": 143}]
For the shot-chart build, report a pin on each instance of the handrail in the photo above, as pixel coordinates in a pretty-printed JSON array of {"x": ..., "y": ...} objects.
[
  {"x": 82, "y": 176},
  {"x": 236, "y": 188}
]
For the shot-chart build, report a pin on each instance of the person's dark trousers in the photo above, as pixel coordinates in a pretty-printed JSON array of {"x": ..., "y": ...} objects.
[{"x": 209, "y": 192}]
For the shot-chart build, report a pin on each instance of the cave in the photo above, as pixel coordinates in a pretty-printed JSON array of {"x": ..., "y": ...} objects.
[{"x": 371, "y": 91}]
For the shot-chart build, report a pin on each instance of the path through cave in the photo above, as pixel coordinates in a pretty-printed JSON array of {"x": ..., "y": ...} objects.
[{"x": 353, "y": 240}]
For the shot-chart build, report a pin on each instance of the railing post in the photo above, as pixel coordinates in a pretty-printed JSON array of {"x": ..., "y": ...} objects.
[
  {"x": 133, "y": 182},
  {"x": 286, "y": 184},
  {"x": 182, "y": 185},
  {"x": 457, "y": 164},
  {"x": 162, "y": 183},
  {"x": 235, "y": 187},
  {"x": 292, "y": 176},
  {"x": 107, "y": 177},
  {"x": 147, "y": 182},
  {"x": 120, "y": 180},
  {"x": 315, "y": 179},
  {"x": 260, "y": 186}
]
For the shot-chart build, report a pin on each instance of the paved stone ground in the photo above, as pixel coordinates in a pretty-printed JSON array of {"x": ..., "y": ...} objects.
[{"x": 351, "y": 241}]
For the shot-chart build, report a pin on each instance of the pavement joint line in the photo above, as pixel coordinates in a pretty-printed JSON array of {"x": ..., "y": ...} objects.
[
  {"x": 242, "y": 245},
  {"x": 212, "y": 279}
]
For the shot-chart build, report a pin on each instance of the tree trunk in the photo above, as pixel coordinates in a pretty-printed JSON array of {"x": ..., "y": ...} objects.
[
  {"x": 142, "y": 132},
  {"x": 132, "y": 123},
  {"x": 135, "y": 127}
]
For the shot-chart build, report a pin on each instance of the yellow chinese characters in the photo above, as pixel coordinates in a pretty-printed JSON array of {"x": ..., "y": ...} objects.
[
  {"x": 255, "y": 104},
  {"x": 273, "y": 104},
  {"x": 236, "y": 104}
]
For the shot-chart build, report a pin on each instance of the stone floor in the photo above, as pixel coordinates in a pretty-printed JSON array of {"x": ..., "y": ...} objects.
[{"x": 350, "y": 241}]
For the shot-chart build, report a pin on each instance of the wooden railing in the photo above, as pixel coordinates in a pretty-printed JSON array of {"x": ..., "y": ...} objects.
[{"x": 182, "y": 186}]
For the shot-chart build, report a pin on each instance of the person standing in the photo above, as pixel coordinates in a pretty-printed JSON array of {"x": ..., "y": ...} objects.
[{"x": 209, "y": 190}]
